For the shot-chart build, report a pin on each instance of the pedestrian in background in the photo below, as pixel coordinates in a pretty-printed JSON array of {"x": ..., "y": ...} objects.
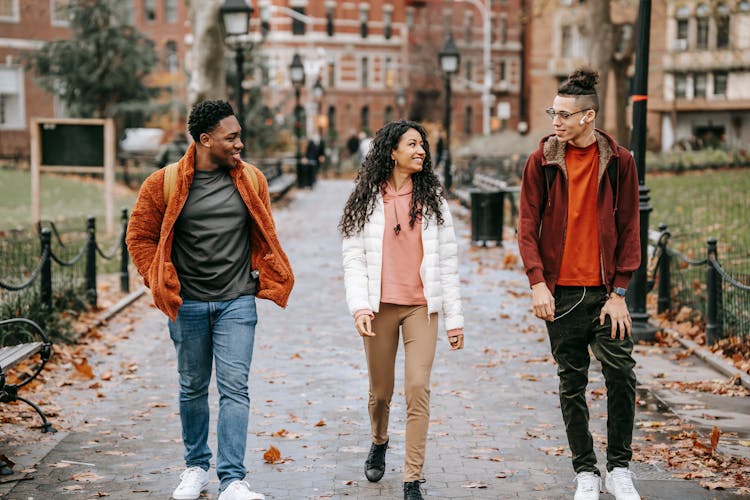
[
  {"x": 315, "y": 155},
  {"x": 579, "y": 240},
  {"x": 201, "y": 250},
  {"x": 173, "y": 150},
  {"x": 400, "y": 268}
]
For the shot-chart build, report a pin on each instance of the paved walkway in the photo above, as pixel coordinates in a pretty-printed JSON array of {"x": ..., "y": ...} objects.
[{"x": 495, "y": 428}]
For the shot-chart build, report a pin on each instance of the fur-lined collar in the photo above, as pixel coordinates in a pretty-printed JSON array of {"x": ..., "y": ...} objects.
[{"x": 553, "y": 151}]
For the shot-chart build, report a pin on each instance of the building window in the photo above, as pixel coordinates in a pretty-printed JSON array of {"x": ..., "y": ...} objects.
[
  {"x": 170, "y": 11},
  {"x": 149, "y": 10},
  {"x": 331, "y": 120},
  {"x": 390, "y": 74},
  {"x": 700, "y": 81},
  {"x": 9, "y": 10},
  {"x": 365, "y": 73},
  {"x": 11, "y": 102},
  {"x": 331, "y": 74},
  {"x": 701, "y": 23},
  {"x": 388, "y": 21},
  {"x": 330, "y": 14},
  {"x": 722, "y": 26},
  {"x": 501, "y": 71},
  {"x": 502, "y": 30},
  {"x": 680, "y": 85},
  {"x": 171, "y": 59},
  {"x": 388, "y": 114},
  {"x": 298, "y": 26},
  {"x": 469, "y": 27},
  {"x": 468, "y": 119},
  {"x": 566, "y": 41},
  {"x": 364, "y": 15},
  {"x": 720, "y": 82},
  {"x": 124, "y": 11},
  {"x": 364, "y": 119},
  {"x": 682, "y": 28},
  {"x": 59, "y": 12},
  {"x": 468, "y": 69}
]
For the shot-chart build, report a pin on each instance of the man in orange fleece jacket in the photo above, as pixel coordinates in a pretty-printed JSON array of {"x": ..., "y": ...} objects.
[{"x": 206, "y": 251}]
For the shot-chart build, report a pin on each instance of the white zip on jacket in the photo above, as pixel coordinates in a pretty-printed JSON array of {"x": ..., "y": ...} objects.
[{"x": 363, "y": 262}]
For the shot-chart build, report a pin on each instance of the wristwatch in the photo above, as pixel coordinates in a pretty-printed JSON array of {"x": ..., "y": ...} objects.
[{"x": 620, "y": 291}]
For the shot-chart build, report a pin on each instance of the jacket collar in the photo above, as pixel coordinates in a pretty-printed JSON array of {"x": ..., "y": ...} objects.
[{"x": 553, "y": 151}]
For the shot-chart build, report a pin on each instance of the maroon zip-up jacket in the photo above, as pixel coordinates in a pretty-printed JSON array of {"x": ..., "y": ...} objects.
[{"x": 542, "y": 225}]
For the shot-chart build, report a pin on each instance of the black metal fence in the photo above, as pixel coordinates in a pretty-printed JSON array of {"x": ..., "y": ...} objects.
[
  {"x": 39, "y": 276},
  {"x": 719, "y": 290}
]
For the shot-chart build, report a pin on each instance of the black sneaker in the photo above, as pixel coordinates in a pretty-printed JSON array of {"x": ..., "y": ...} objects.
[
  {"x": 412, "y": 490},
  {"x": 375, "y": 463}
]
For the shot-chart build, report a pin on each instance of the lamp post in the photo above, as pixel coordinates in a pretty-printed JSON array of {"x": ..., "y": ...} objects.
[
  {"x": 401, "y": 102},
  {"x": 318, "y": 92},
  {"x": 297, "y": 76},
  {"x": 235, "y": 15},
  {"x": 449, "y": 61},
  {"x": 637, "y": 290}
]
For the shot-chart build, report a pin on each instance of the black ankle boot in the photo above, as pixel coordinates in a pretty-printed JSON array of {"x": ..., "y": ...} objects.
[
  {"x": 375, "y": 463},
  {"x": 412, "y": 490}
]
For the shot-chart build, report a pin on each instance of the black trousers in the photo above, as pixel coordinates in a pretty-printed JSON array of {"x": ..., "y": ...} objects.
[{"x": 570, "y": 337}]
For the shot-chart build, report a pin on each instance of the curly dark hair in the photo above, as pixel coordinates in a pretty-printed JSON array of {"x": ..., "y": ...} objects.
[
  {"x": 581, "y": 84},
  {"x": 206, "y": 115},
  {"x": 375, "y": 171}
]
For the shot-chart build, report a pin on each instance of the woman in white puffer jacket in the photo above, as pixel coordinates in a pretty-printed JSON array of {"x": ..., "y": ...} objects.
[{"x": 400, "y": 269}]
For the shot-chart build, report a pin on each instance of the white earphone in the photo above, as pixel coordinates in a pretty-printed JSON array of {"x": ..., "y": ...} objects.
[{"x": 582, "y": 121}]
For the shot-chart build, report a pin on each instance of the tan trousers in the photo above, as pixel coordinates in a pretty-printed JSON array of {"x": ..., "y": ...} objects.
[{"x": 420, "y": 338}]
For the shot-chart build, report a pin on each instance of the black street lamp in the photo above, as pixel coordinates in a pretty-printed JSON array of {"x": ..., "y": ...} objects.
[
  {"x": 235, "y": 15},
  {"x": 449, "y": 62},
  {"x": 401, "y": 102},
  {"x": 638, "y": 289},
  {"x": 297, "y": 76}
]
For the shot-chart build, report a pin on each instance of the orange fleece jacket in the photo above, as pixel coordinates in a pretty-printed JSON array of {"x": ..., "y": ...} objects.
[{"x": 151, "y": 230}]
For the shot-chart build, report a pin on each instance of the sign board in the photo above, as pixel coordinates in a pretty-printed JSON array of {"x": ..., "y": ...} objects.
[
  {"x": 73, "y": 145},
  {"x": 503, "y": 110}
]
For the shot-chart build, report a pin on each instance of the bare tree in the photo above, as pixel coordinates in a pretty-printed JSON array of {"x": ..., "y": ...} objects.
[{"x": 207, "y": 79}]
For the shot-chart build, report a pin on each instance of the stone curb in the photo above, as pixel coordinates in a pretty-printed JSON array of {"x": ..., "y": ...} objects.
[
  {"x": 714, "y": 361},
  {"x": 118, "y": 307}
]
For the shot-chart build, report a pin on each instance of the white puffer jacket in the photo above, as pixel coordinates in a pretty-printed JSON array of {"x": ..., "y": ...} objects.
[{"x": 363, "y": 262}]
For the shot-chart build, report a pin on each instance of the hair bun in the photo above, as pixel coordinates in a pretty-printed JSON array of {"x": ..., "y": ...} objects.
[{"x": 585, "y": 78}]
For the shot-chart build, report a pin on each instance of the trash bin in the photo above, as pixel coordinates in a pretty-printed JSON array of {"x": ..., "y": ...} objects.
[{"x": 487, "y": 216}]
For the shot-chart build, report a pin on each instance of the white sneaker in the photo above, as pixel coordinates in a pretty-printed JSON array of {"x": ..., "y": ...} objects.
[
  {"x": 589, "y": 485},
  {"x": 192, "y": 482},
  {"x": 240, "y": 490},
  {"x": 619, "y": 483}
]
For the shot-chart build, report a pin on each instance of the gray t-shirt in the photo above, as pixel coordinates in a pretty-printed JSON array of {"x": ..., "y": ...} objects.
[{"x": 211, "y": 247}]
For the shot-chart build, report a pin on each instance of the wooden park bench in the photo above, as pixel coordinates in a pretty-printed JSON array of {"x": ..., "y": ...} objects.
[
  {"x": 278, "y": 181},
  {"x": 20, "y": 340}
]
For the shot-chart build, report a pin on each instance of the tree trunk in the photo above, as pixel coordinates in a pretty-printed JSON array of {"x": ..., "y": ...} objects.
[
  {"x": 207, "y": 79},
  {"x": 601, "y": 39},
  {"x": 622, "y": 130}
]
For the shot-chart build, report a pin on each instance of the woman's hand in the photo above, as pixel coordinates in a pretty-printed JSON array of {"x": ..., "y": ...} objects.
[
  {"x": 363, "y": 322},
  {"x": 456, "y": 339}
]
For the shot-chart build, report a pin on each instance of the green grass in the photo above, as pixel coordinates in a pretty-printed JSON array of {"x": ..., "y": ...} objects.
[
  {"x": 66, "y": 198},
  {"x": 699, "y": 205}
]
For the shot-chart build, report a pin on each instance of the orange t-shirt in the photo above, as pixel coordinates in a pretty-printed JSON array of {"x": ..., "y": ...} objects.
[{"x": 581, "y": 262}]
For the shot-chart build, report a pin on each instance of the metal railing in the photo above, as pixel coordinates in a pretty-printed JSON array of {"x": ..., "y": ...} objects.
[
  {"x": 42, "y": 274},
  {"x": 726, "y": 298}
]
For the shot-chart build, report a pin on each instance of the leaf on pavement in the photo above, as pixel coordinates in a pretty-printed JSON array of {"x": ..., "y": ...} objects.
[
  {"x": 86, "y": 477},
  {"x": 272, "y": 455},
  {"x": 322, "y": 423},
  {"x": 83, "y": 369},
  {"x": 715, "y": 433}
]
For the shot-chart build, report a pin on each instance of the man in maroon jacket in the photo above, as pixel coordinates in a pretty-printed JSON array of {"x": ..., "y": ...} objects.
[{"x": 579, "y": 240}]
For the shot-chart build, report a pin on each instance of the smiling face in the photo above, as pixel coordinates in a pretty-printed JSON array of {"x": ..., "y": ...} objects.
[
  {"x": 409, "y": 155},
  {"x": 571, "y": 129},
  {"x": 223, "y": 142}
]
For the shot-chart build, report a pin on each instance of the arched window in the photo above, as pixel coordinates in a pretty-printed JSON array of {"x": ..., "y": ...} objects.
[
  {"x": 701, "y": 25},
  {"x": 468, "y": 119},
  {"x": 722, "y": 26}
]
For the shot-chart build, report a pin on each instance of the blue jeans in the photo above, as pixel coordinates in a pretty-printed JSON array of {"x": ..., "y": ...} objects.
[{"x": 224, "y": 331}]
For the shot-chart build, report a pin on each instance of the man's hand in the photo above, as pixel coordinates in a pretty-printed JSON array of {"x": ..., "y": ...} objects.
[
  {"x": 617, "y": 310},
  {"x": 544, "y": 302}
]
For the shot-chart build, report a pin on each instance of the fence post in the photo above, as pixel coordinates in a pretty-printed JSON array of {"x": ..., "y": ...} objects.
[
  {"x": 91, "y": 261},
  {"x": 714, "y": 306},
  {"x": 124, "y": 256},
  {"x": 665, "y": 280},
  {"x": 46, "y": 272}
]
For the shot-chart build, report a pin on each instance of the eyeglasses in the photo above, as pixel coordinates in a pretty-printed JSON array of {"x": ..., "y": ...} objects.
[{"x": 562, "y": 114}]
